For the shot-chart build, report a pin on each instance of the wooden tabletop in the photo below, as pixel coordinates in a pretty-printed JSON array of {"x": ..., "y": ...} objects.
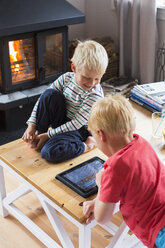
[
  {"x": 144, "y": 128},
  {"x": 41, "y": 174}
]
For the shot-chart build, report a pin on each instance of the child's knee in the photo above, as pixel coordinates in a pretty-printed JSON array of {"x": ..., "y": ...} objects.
[
  {"x": 51, "y": 155},
  {"x": 48, "y": 93},
  {"x": 46, "y": 154},
  {"x": 53, "y": 97}
]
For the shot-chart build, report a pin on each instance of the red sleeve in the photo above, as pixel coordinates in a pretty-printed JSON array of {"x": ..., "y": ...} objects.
[{"x": 112, "y": 181}]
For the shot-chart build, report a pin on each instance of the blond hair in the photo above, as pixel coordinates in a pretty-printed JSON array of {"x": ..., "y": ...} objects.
[
  {"x": 90, "y": 55},
  {"x": 113, "y": 115}
]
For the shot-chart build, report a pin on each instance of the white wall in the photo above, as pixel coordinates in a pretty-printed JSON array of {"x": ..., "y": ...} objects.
[
  {"x": 101, "y": 20},
  {"x": 77, "y": 31}
]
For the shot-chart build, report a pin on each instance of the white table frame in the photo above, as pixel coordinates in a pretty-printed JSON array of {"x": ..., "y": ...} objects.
[{"x": 7, "y": 206}]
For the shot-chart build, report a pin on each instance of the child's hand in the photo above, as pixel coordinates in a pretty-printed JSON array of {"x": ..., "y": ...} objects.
[
  {"x": 98, "y": 177},
  {"x": 29, "y": 134},
  {"x": 41, "y": 140},
  {"x": 88, "y": 210}
]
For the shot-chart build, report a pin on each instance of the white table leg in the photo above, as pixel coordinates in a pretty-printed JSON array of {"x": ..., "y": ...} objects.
[
  {"x": 84, "y": 236},
  {"x": 117, "y": 240},
  {"x": 3, "y": 211},
  {"x": 57, "y": 225}
]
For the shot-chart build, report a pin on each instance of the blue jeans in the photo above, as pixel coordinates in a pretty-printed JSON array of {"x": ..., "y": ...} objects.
[
  {"x": 160, "y": 240},
  {"x": 51, "y": 111}
]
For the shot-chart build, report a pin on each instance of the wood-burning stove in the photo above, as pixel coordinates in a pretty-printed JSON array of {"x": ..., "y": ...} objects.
[
  {"x": 33, "y": 59},
  {"x": 33, "y": 53}
]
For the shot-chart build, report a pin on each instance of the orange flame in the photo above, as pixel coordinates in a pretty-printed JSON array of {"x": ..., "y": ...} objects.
[{"x": 14, "y": 53}]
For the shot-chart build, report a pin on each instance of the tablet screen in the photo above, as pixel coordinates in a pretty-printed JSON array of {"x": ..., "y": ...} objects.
[
  {"x": 82, "y": 178},
  {"x": 85, "y": 176}
]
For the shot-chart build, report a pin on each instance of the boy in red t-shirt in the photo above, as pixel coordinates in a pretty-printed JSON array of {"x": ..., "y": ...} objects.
[{"x": 133, "y": 174}]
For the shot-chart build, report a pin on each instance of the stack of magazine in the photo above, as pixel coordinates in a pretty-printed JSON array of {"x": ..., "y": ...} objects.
[{"x": 151, "y": 96}]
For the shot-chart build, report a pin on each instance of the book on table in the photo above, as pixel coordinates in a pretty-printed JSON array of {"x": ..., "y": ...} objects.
[{"x": 151, "y": 96}]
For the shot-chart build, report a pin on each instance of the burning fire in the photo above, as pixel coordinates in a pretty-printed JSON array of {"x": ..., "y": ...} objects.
[
  {"x": 21, "y": 60},
  {"x": 14, "y": 54}
]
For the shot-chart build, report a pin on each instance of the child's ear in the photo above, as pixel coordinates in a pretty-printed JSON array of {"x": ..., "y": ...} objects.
[
  {"x": 102, "y": 135},
  {"x": 73, "y": 67}
]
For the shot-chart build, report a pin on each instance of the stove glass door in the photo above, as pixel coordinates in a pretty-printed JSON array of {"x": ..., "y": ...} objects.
[
  {"x": 22, "y": 60},
  {"x": 53, "y": 54}
]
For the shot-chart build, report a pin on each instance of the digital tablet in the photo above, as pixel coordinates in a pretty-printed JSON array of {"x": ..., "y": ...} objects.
[{"x": 82, "y": 178}]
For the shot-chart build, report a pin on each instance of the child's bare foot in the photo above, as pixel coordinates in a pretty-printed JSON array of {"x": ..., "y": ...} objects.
[
  {"x": 90, "y": 144},
  {"x": 33, "y": 144}
]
